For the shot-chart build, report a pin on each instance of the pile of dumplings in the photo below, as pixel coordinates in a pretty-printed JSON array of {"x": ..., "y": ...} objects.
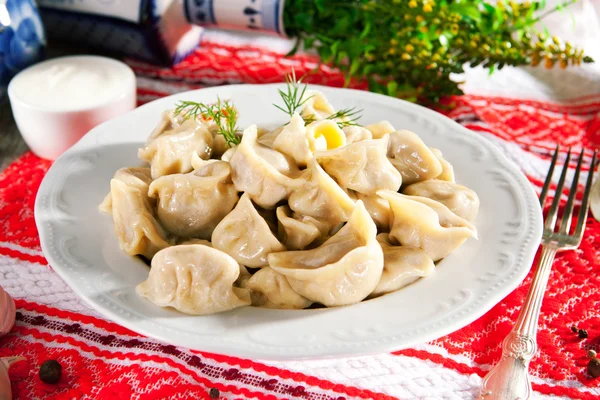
[{"x": 303, "y": 216}]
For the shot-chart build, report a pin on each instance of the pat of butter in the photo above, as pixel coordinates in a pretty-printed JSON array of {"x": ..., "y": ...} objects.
[
  {"x": 58, "y": 101},
  {"x": 327, "y": 135}
]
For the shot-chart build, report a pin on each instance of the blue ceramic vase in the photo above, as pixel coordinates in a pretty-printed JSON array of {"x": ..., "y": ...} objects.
[{"x": 22, "y": 39}]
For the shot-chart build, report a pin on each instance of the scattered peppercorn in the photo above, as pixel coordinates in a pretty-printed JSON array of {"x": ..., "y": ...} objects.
[
  {"x": 574, "y": 329},
  {"x": 593, "y": 367},
  {"x": 583, "y": 334},
  {"x": 591, "y": 354},
  {"x": 214, "y": 393},
  {"x": 50, "y": 371}
]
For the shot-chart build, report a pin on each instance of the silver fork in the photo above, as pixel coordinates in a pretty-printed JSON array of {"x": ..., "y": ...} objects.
[{"x": 509, "y": 379}]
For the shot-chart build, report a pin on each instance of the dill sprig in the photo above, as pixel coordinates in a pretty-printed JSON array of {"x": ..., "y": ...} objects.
[
  {"x": 348, "y": 116},
  {"x": 223, "y": 113},
  {"x": 293, "y": 96}
]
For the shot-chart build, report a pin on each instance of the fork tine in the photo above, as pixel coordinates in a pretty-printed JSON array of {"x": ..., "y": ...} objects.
[
  {"x": 549, "y": 177},
  {"x": 585, "y": 201},
  {"x": 551, "y": 218},
  {"x": 565, "y": 224}
]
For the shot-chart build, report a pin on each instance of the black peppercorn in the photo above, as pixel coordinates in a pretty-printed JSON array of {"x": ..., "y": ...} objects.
[
  {"x": 591, "y": 354},
  {"x": 574, "y": 329},
  {"x": 583, "y": 334},
  {"x": 214, "y": 393},
  {"x": 593, "y": 367},
  {"x": 50, "y": 371}
]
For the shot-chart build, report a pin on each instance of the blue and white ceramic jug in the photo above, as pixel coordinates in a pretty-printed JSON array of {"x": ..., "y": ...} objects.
[{"x": 22, "y": 39}]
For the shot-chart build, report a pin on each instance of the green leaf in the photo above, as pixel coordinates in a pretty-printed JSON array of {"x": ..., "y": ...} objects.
[
  {"x": 498, "y": 19},
  {"x": 365, "y": 31},
  {"x": 492, "y": 69},
  {"x": 490, "y": 9},
  {"x": 392, "y": 87},
  {"x": 354, "y": 66},
  {"x": 469, "y": 11},
  {"x": 320, "y": 4}
]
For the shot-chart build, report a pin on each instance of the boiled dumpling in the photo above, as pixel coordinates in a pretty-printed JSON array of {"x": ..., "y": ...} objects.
[
  {"x": 267, "y": 137},
  {"x": 229, "y": 154},
  {"x": 379, "y": 210},
  {"x": 447, "y": 168},
  {"x": 343, "y": 270},
  {"x": 355, "y": 133},
  {"x": 194, "y": 279},
  {"x": 195, "y": 241},
  {"x": 415, "y": 161},
  {"x": 245, "y": 235},
  {"x": 219, "y": 146},
  {"x": 264, "y": 174},
  {"x": 294, "y": 141},
  {"x": 401, "y": 266},
  {"x": 169, "y": 121},
  {"x": 320, "y": 197},
  {"x": 137, "y": 229},
  {"x": 297, "y": 232},
  {"x": 171, "y": 152},
  {"x": 362, "y": 166},
  {"x": 191, "y": 205},
  {"x": 315, "y": 106},
  {"x": 274, "y": 291},
  {"x": 137, "y": 177},
  {"x": 426, "y": 224},
  {"x": 461, "y": 200},
  {"x": 380, "y": 129}
]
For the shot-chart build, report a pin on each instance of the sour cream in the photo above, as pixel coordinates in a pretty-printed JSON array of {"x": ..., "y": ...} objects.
[{"x": 58, "y": 101}]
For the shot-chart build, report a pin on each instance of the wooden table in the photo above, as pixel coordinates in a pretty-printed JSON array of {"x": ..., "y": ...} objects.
[{"x": 11, "y": 142}]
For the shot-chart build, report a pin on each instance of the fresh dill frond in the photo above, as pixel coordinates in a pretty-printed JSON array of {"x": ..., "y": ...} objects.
[
  {"x": 223, "y": 113},
  {"x": 189, "y": 109},
  {"x": 293, "y": 96},
  {"x": 349, "y": 117}
]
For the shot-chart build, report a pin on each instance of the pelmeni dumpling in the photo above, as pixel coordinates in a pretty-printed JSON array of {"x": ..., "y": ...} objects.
[
  {"x": 194, "y": 279},
  {"x": 137, "y": 229},
  {"x": 297, "y": 232},
  {"x": 343, "y": 270},
  {"x": 447, "y": 168},
  {"x": 137, "y": 177},
  {"x": 380, "y": 129},
  {"x": 402, "y": 265},
  {"x": 264, "y": 174},
  {"x": 320, "y": 197},
  {"x": 379, "y": 210},
  {"x": 362, "y": 166},
  {"x": 191, "y": 205},
  {"x": 426, "y": 224},
  {"x": 219, "y": 146},
  {"x": 315, "y": 106},
  {"x": 171, "y": 152},
  {"x": 415, "y": 161},
  {"x": 169, "y": 121},
  {"x": 275, "y": 291},
  {"x": 267, "y": 137},
  {"x": 461, "y": 200},
  {"x": 355, "y": 133},
  {"x": 245, "y": 235},
  {"x": 294, "y": 142}
]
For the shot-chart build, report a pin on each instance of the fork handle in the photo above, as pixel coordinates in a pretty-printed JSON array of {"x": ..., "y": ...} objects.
[{"x": 509, "y": 379}]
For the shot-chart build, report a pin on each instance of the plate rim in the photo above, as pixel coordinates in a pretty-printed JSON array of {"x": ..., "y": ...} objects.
[{"x": 526, "y": 252}]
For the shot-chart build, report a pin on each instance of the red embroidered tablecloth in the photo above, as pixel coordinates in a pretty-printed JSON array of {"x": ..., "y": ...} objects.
[{"x": 102, "y": 360}]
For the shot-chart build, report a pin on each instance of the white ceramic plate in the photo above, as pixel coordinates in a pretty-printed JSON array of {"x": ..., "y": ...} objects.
[{"x": 80, "y": 244}]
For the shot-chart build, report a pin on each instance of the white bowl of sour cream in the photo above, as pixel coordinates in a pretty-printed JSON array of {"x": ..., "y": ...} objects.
[{"x": 58, "y": 101}]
